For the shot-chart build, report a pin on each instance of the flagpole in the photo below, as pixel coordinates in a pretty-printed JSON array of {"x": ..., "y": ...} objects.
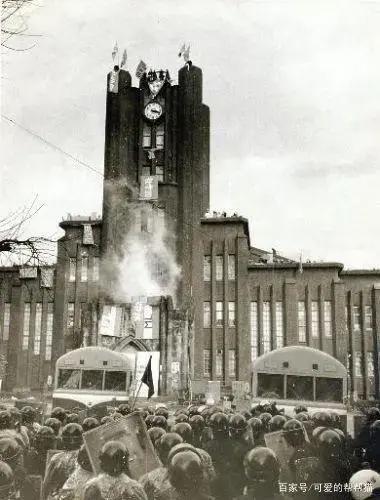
[{"x": 136, "y": 396}]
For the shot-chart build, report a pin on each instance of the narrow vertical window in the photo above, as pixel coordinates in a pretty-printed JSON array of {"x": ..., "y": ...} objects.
[
  {"x": 279, "y": 325},
  {"x": 358, "y": 364},
  {"x": 254, "y": 330},
  {"x": 357, "y": 319},
  {"x": 26, "y": 327},
  {"x": 147, "y": 136},
  {"x": 37, "y": 329},
  {"x": 327, "y": 318},
  {"x": 219, "y": 314},
  {"x": 160, "y": 173},
  {"x": 95, "y": 269},
  {"x": 70, "y": 314},
  {"x": 207, "y": 267},
  {"x": 160, "y": 136},
  {"x": 207, "y": 314},
  {"x": 231, "y": 267},
  {"x": 49, "y": 331},
  {"x": 219, "y": 267},
  {"x": 207, "y": 362},
  {"x": 84, "y": 269},
  {"x": 72, "y": 269},
  {"x": 219, "y": 363},
  {"x": 231, "y": 314},
  {"x": 267, "y": 327},
  {"x": 6, "y": 321},
  {"x": 232, "y": 362},
  {"x": 370, "y": 365},
  {"x": 368, "y": 317},
  {"x": 315, "y": 319},
  {"x": 301, "y": 321}
]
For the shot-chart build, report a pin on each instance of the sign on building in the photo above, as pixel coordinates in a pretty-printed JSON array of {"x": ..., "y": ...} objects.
[
  {"x": 28, "y": 272},
  {"x": 213, "y": 392},
  {"x": 148, "y": 322},
  {"x": 110, "y": 323},
  {"x": 47, "y": 277},
  {"x": 240, "y": 389},
  {"x": 148, "y": 187},
  {"x": 88, "y": 237}
]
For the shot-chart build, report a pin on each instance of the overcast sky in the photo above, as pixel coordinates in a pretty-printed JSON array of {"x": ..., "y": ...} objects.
[{"x": 293, "y": 89}]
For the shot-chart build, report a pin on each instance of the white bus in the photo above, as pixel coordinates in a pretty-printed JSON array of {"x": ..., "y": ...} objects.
[{"x": 92, "y": 376}]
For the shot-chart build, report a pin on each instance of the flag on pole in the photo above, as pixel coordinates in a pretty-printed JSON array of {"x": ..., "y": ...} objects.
[
  {"x": 182, "y": 50},
  {"x": 147, "y": 378},
  {"x": 141, "y": 68},
  {"x": 115, "y": 51},
  {"x": 124, "y": 58}
]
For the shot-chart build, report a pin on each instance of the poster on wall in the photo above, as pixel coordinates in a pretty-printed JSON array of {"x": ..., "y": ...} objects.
[{"x": 142, "y": 359}]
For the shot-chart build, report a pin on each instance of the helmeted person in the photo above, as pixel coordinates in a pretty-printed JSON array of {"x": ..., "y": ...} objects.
[
  {"x": 197, "y": 424},
  {"x": 262, "y": 472},
  {"x": 7, "y": 428},
  {"x": 60, "y": 414},
  {"x": 7, "y": 482},
  {"x": 363, "y": 440},
  {"x": 265, "y": 418},
  {"x": 367, "y": 477},
  {"x": 372, "y": 453},
  {"x": 124, "y": 409},
  {"x": 12, "y": 454},
  {"x": 55, "y": 424},
  {"x": 219, "y": 450},
  {"x": 28, "y": 419},
  {"x": 276, "y": 423},
  {"x": 62, "y": 465},
  {"x": 90, "y": 423},
  {"x": 160, "y": 421},
  {"x": 114, "y": 482},
  {"x": 157, "y": 480},
  {"x": 238, "y": 448},
  {"x": 73, "y": 488},
  {"x": 35, "y": 460},
  {"x": 155, "y": 434},
  {"x": 300, "y": 409},
  {"x": 72, "y": 418},
  {"x": 256, "y": 431}
]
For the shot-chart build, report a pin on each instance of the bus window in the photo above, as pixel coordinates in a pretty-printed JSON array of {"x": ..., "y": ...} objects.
[
  {"x": 270, "y": 385},
  {"x": 328, "y": 389},
  {"x": 115, "y": 381},
  {"x": 68, "y": 379},
  {"x": 92, "y": 379},
  {"x": 299, "y": 387}
]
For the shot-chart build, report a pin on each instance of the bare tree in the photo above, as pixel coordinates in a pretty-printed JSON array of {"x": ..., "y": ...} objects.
[
  {"x": 14, "y": 24},
  {"x": 16, "y": 247}
]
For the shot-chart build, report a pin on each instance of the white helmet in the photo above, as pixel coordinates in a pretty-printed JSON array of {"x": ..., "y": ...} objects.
[{"x": 363, "y": 482}]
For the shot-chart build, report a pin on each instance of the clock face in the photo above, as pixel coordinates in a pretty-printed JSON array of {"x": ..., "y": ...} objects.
[{"x": 153, "y": 110}]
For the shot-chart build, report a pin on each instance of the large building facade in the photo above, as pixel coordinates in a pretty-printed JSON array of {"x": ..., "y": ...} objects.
[{"x": 160, "y": 273}]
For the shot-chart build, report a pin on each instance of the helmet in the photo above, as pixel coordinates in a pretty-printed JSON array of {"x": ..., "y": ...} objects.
[
  {"x": 45, "y": 438},
  {"x": 28, "y": 415},
  {"x": 256, "y": 426},
  {"x": 261, "y": 465},
  {"x": 162, "y": 412},
  {"x": 6, "y": 480},
  {"x": 330, "y": 443},
  {"x": 193, "y": 410},
  {"x": 106, "y": 420},
  {"x": 300, "y": 409},
  {"x": 124, "y": 409},
  {"x": 54, "y": 423},
  {"x": 237, "y": 425},
  {"x": 113, "y": 458},
  {"x": 155, "y": 433},
  {"x": 185, "y": 471},
  {"x": 59, "y": 413},
  {"x": 10, "y": 451},
  {"x": 72, "y": 418},
  {"x": 160, "y": 421},
  {"x": 294, "y": 432},
  {"x": 302, "y": 416},
  {"x": 219, "y": 422},
  {"x": 335, "y": 419},
  {"x": 276, "y": 423},
  {"x": 373, "y": 413},
  {"x": 72, "y": 436},
  {"x": 90, "y": 423},
  {"x": 185, "y": 430},
  {"x": 374, "y": 429},
  {"x": 265, "y": 418},
  {"x": 5, "y": 420},
  {"x": 267, "y": 408},
  {"x": 256, "y": 410},
  {"x": 149, "y": 421},
  {"x": 317, "y": 431},
  {"x": 16, "y": 414},
  {"x": 181, "y": 417},
  {"x": 83, "y": 459},
  {"x": 362, "y": 478},
  {"x": 197, "y": 423},
  {"x": 321, "y": 418},
  {"x": 166, "y": 443}
]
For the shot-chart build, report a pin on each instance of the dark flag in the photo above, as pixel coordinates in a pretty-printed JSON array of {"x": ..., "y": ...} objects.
[{"x": 147, "y": 378}]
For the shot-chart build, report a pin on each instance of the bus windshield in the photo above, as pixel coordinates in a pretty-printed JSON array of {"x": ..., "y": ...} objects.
[
  {"x": 69, "y": 379},
  {"x": 92, "y": 380}
]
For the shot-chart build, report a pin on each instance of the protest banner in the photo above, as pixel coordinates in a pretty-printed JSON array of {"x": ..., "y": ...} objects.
[{"x": 131, "y": 431}]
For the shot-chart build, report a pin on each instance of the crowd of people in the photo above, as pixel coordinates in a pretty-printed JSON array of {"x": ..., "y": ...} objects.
[{"x": 205, "y": 453}]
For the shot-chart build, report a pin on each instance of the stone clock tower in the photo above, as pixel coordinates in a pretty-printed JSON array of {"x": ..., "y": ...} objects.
[{"x": 156, "y": 172}]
